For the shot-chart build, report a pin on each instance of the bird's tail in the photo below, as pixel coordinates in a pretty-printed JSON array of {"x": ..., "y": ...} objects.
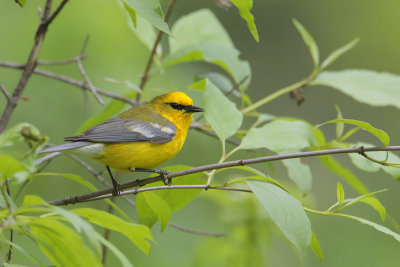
[{"x": 67, "y": 146}]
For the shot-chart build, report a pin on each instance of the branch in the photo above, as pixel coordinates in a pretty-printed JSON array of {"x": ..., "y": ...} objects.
[
  {"x": 69, "y": 80},
  {"x": 184, "y": 229},
  {"x": 5, "y": 92},
  {"x": 133, "y": 204},
  {"x": 145, "y": 75},
  {"x": 106, "y": 193},
  {"x": 31, "y": 63},
  {"x": 88, "y": 82}
]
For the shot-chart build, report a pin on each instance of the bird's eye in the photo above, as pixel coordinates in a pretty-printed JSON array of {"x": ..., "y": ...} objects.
[{"x": 176, "y": 106}]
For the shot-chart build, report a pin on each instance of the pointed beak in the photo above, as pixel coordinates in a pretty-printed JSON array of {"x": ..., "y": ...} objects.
[{"x": 193, "y": 109}]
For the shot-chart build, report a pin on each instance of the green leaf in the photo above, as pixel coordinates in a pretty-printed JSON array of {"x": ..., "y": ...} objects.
[
  {"x": 87, "y": 184},
  {"x": 141, "y": 27},
  {"x": 196, "y": 27},
  {"x": 366, "y": 86},
  {"x": 340, "y": 194},
  {"x": 81, "y": 226},
  {"x": 367, "y": 165},
  {"x": 138, "y": 234},
  {"x": 286, "y": 211},
  {"x": 280, "y": 135},
  {"x": 380, "y": 134},
  {"x": 378, "y": 227},
  {"x": 158, "y": 206},
  {"x": 151, "y": 11},
  {"x": 222, "y": 56},
  {"x": 220, "y": 112},
  {"x": 339, "y": 126},
  {"x": 376, "y": 205},
  {"x": 335, "y": 167},
  {"x": 62, "y": 245},
  {"x": 31, "y": 256},
  {"x": 120, "y": 256},
  {"x": 299, "y": 173},
  {"x": 244, "y": 7},
  {"x": 199, "y": 85},
  {"x": 316, "y": 247},
  {"x": 113, "y": 108},
  {"x": 13, "y": 136},
  {"x": 11, "y": 168},
  {"x": 309, "y": 41},
  {"x": 338, "y": 53},
  {"x": 21, "y": 3}
]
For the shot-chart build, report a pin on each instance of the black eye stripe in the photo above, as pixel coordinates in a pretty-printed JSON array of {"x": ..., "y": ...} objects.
[{"x": 177, "y": 106}]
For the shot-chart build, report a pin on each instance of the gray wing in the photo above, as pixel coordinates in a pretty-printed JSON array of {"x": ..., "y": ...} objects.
[{"x": 119, "y": 130}]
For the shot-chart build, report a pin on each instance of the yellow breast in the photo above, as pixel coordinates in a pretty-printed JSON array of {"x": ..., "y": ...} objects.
[{"x": 146, "y": 155}]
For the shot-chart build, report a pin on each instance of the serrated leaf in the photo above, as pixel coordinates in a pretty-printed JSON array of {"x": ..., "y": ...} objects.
[
  {"x": 309, "y": 41},
  {"x": 280, "y": 135},
  {"x": 340, "y": 193},
  {"x": 286, "y": 211},
  {"x": 245, "y": 7},
  {"x": 151, "y": 11},
  {"x": 222, "y": 56},
  {"x": 380, "y": 134},
  {"x": 299, "y": 173},
  {"x": 62, "y": 245},
  {"x": 220, "y": 112},
  {"x": 138, "y": 234},
  {"x": 196, "y": 27},
  {"x": 338, "y": 53},
  {"x": 366, "y": 86},
  {"x": 316, "y": 247}
]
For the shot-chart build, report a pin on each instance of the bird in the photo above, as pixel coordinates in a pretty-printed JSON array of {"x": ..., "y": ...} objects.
[{"x": 139, "y": 139}]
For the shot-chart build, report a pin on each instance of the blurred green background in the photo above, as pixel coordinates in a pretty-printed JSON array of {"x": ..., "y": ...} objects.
[{"x": 280, "y": 58}]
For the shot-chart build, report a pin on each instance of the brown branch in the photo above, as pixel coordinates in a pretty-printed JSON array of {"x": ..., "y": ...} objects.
[
  {"x": 106, "y": 237},
  {"x": 88, "y": 82},
  {"x": 107, "y": 192},
  {"x": 31, "y": 63},
  {"x": 9, "y": 254},
  {"x": 133, "y": 204},
  {"x": 69, "y": 80},
  {"x": 196, "y": 232},
  {"x": 5, "y": 92},
  {"x": 145, "y": 76}
]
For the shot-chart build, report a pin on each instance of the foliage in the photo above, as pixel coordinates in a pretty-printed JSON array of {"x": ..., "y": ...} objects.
[{"x": 71, "y": 237}]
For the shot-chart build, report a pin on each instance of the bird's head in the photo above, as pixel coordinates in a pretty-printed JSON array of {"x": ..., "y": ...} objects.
[{"x": 175, "y": 106}]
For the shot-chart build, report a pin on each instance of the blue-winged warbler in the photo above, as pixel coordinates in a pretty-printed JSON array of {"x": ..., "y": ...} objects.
[{"x": 139, "y": 138}]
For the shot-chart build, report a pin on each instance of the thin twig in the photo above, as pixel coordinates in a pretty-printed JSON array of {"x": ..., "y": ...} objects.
[
  {"x": 106, "y": 237},
  {"x": 107, "y": 192},
  {"x": 5, "y": 93},
  {"x": 184, "y": 229},
  {"x": 69, "y": 80},
  {"x": 84, "y": 74},
  {"x": 199, "y": 127},
  {"x": 133, "y": 204},
  {"x": 145, "y": 76},
  {"x": 61, "y": 62},
  {"x": 9, "y": 254},
  {"x": 31, "y": 62},
  {"x": 237, "y": 85}
]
